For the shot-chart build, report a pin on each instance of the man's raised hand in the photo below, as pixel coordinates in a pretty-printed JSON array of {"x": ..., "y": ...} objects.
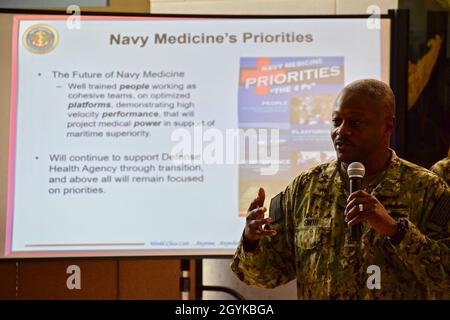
[{"x": 255, "y": 220}]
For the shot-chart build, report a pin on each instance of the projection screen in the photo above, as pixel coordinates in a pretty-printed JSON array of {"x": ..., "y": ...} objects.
[{"x": 150, "y": 136}]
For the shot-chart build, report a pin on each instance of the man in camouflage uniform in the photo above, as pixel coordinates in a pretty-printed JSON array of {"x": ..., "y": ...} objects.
[
  {"x": 442, "y": 169},
  {"x": 403, "y": 211}
]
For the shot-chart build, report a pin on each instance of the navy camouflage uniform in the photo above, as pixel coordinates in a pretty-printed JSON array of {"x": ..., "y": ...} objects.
[{"x": 313, "y": 246}]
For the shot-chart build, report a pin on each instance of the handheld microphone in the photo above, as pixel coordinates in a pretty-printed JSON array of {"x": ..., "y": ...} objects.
[{"x": 355, "y": 173}]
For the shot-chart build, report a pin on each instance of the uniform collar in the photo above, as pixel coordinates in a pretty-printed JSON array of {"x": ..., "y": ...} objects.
[{"x": 385, "y": 184}]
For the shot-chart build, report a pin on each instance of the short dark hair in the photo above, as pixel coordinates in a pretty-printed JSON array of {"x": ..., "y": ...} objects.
[{"x": 376, "y": 90}]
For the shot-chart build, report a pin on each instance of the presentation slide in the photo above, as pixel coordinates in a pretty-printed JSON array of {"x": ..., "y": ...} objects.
[{"x": 151, "y": 135}]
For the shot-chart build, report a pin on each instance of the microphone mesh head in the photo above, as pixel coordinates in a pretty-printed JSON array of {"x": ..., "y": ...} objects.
[{"x": 356, "y": 170}]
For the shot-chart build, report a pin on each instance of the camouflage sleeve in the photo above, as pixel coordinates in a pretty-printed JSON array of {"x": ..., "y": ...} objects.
[
  {"x": 438, "y": 169},
  {"x": 442, "y": 169},
  {"x": 425, "y": 249},
  {"x": 272, "y": 263}
]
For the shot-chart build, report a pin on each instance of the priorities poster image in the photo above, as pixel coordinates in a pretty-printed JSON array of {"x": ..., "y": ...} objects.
[{"x": 294, "y": 95}]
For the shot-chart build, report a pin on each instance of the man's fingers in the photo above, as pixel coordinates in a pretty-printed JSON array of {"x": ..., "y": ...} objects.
[
  {"x": 354, "y": 212},
  {"x": 264, "y": 233},
  {"x": 353, "y": 207},
  {"x": 255, "y": 219},
  {"x": 259, "y": 223},
  {"x": 255, "y": 228},
  {"x": 255, "y": 214},
  {"x": 359, "y": 200},
  {"x": 254, "y": 204},
  {"x": 258, "y": 201},
  {"x": 357, "y": 194},
  {"x": 261, "y": 196},
  {"x": 358, "y": 219}
]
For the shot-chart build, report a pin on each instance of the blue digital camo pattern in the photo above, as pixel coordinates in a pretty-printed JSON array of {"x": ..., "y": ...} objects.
[{"x": 327, "y": 265}]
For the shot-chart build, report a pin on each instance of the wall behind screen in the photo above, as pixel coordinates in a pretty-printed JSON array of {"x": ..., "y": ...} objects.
[
  {"x": 5, "y": 90},
  {"x": 9, "y": 268}
]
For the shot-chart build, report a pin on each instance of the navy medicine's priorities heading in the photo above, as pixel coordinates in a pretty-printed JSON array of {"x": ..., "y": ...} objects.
[{"x": 203, "y": 38}]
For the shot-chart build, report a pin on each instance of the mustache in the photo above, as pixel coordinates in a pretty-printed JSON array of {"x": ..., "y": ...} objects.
[{"x": 342, "y": 141}]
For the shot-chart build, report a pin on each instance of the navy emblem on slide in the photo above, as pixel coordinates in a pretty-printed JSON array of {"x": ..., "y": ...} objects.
[{"x": 40, "y": 38}]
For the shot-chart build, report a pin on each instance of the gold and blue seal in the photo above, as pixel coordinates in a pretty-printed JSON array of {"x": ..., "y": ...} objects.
[{"x": 40, "y": 38}]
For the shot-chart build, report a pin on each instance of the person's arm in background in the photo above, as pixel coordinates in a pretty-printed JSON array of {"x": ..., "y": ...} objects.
[
  {"x": 442, "y": 169},
  {"x": 266, "y": 258},
  {"x": 425, "y": 250}
]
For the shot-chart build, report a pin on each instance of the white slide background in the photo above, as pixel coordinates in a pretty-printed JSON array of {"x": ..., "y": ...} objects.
[{"x": 197, "y": 217}]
